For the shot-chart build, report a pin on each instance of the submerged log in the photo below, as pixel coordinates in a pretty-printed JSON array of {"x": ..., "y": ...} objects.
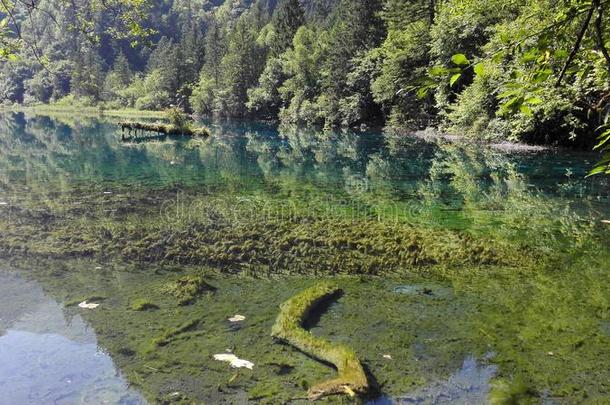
[
  {"x": 161, "y": 130},
  {"x": 288, "y": 328}
]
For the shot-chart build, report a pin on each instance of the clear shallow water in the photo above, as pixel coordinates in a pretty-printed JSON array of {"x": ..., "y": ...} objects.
[
  {"x": 48, "y": 358},
  {"x": 446, "y": 253},
  {"x": 468, "y": 385}
]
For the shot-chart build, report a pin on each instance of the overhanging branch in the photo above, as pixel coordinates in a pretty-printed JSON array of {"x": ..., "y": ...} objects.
[{"x": 576, "y": 47}]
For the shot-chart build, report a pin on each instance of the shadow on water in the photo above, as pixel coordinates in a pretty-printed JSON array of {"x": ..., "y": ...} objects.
[{"x": 314, "y": 316}]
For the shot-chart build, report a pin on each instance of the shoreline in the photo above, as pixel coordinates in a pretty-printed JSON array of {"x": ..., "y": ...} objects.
[
  {"x": 429, "y": 134},
  {"x": 54, "y": 110}
]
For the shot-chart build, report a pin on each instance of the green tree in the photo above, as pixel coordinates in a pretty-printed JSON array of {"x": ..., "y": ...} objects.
[
  {"x": 303, "y": 67},
  {"x": 242, "y": 65},
  {"x": 215, "y": 49},
  {"x": 287, "y": 19},
  {"x": 122, "y": 70},
  {"x": 123, "y": 20},
  {"x": 88, "y": 76},
  {"x": 357, "y": 29}
]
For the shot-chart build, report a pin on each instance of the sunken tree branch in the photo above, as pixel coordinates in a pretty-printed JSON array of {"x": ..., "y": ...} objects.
[{"x": 352, "y": 379}]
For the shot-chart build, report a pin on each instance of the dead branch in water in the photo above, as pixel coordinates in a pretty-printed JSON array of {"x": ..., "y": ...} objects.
[
  {"x": 161, "y": 130},
  {"x": 352, "y": 379}
]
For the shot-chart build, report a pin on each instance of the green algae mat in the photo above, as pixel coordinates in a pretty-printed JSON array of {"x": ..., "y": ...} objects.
[{"x": 469, "y": 275}]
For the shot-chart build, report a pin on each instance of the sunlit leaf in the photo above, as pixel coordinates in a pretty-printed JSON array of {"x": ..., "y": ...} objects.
[
  {"x": 454, "y": 79},
  {"x": 542, "y": 75},
  {"x": 526, "y": 110},
  {"x": 438, "y": 71},
  {"x": 514, "y": 103},
  {"x": 460, "y": 59},
  {"x": 509, "y": 93},
  {"x": 479, "y": 69}
]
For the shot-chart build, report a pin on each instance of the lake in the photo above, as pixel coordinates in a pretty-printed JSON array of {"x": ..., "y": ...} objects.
[{"x": 470, "y": 274}]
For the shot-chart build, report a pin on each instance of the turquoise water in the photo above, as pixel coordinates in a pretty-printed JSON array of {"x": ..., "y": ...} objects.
[{"x": 479, "y": 270}]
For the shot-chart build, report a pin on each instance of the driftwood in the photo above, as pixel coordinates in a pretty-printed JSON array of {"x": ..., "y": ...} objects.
[
  {"x": 161, "y": 130},
  {"x": 288, "y": 328}
]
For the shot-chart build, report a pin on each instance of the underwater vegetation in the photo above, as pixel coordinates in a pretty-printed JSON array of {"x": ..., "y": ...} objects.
[
  {"x": 169, "y": 335},
  {"x": 141, "y": 304},
  {"x": 289, "y": 328},
  {"x": 188, "y": 288},
  {"x": 444, "y": 252},
  {"x": 241, "y": 241}
]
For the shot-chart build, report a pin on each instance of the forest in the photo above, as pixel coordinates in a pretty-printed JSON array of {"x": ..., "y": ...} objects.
[
  {"x": 366, "y": 202},
  {"x": 535, "y": 71}
]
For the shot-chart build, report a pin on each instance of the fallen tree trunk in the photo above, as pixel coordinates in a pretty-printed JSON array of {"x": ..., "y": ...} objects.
[
  {"x": 288, "y": 328},
  {"x": 161, "y": 130}
]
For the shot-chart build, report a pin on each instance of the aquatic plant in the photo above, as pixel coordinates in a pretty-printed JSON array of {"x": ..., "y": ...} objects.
[
  {"x": 517, "y": 391},
  {"x": 528, "y": 267},
  {"x": 187, "y": 289},
  {"x": 178, "y": 118},
  {"x": 289, "y": 328},
  {"x": 171, "y": 333},
  {"x": 143, "y": 305}
]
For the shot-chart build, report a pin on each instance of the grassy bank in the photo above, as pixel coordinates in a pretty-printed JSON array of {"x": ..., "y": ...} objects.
[{"x": 55, "y": 110}]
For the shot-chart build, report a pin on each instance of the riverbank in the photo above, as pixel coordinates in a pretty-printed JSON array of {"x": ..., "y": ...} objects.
[
  {"x": 84, "y": 111},
  {"x": 429, "y": 134}
]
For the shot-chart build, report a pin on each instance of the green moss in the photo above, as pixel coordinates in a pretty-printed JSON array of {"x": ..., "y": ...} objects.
[
  {"x": 289, "y": 328},
  {"x": 143, "y": 305},
  {"x": 92, "y": 299},
  {"x": 514, "y": 392},
  {"x": 160, "y": 129},
  {"x": 265, "y": 391},
  {"x": 187, "y": 289},
  {"x": 518, "y": 315},
  {"x": 170, "y": 334},
  {"x": 299, "y": 245}
]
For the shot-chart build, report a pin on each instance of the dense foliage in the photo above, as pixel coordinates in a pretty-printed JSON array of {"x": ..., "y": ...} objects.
[{"x": 533, "y": 70}]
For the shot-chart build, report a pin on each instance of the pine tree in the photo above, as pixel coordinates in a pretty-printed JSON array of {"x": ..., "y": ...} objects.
[
  {"x": 357, "y": 29},
  {"x": 88, "y": 76},
  {"x": 167, "y": 59},
  {"x": 215, "y": 49},
  {"x": 192, "y": 47},
  {"x": 318, "y": 11},
  {"x": 121, "y": 69},
  {"x": 243, "y": 63},
  {"x": 287, "y": 19}
]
